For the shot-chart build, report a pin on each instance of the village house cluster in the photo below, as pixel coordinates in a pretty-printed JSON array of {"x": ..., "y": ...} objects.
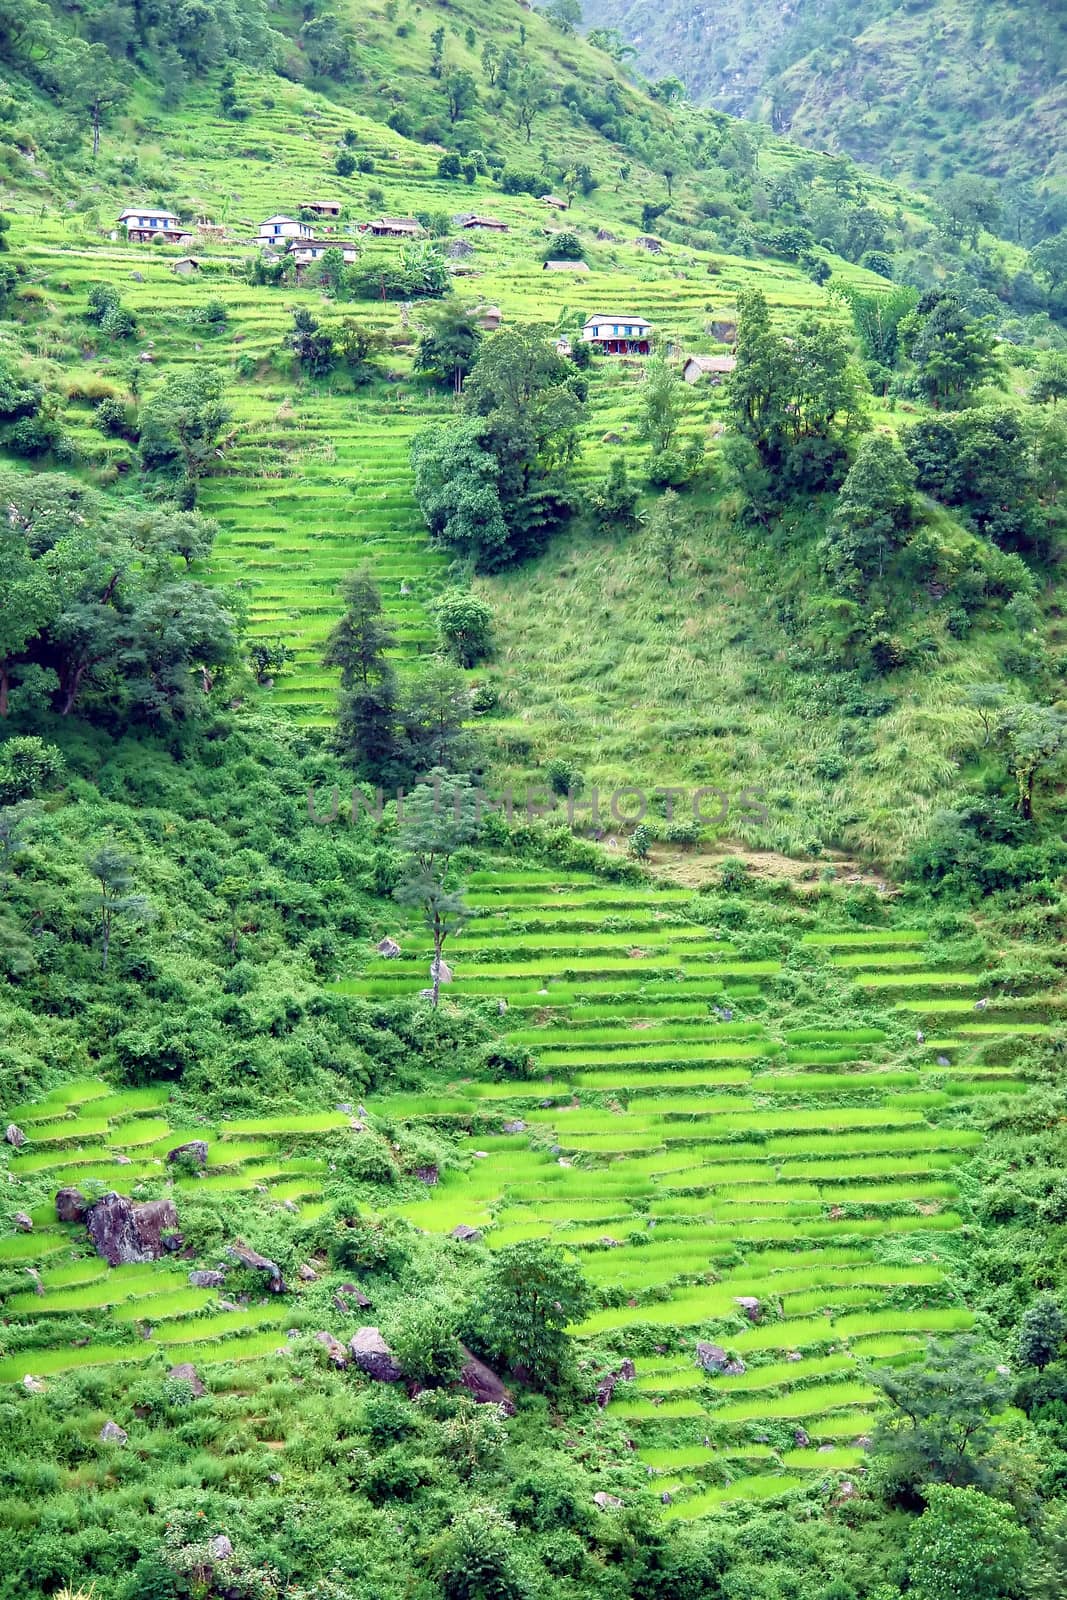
[{"x": 614, "y": 333}]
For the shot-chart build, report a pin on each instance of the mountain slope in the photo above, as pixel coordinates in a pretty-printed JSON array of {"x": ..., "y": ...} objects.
[{"x": 924, "y": 91}]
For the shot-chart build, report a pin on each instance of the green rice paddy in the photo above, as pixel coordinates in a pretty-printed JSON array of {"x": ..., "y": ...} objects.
[{"x": 689, "y": 1161}]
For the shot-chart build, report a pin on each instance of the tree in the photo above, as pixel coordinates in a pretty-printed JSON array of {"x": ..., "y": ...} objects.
[
  {"x": 874, "y": 512},
  {"x": 464, "y": 626},
  {"x": 174, "y": 646},
  {"x": 97, "y": 603},
  {"x": 1041, "y": 1333},
  {"x": 458, "y": 491},
  {"x": 939, "y": 1428},
  {"x": 357, "y": 647},
  {"x": 664, "y": 533},
  {"x": 531, "y": 94},
  {"x": 448, "y": 345},
  {"x": 431, "y": 715},
  {"x": 953, "y": 352},
  {"x": 312, "y": 345},
  {"x": 663, "y": 399},
  {"x": 986, "y": 699},
  {"x": 436, "y": 820},
  {"x": 491, "y": 485},
  {"x": 1049, "y": 259},
  {"x": 113, "y": 873},
  {"x": 344, "y": 163},
  {"x": 965, "y": 1546},
  {"x": 268, "y": 659},
  {"x": 1050, "y": 385},
  {"x": 29, "y": 602},
  {"x": 564, "y": 247},
  {"x": 981, "y": 461},
  {"x": 533, "y": 1293},
  {"x": 1035, "y": 738},
  {"x": 969, "y": 204},
  {"x": 566, "y": 15},
  {"x": 796, "y": 401},
  {"x": 877, "y": 318},
  {"x": 460, "y": 91},
  {"x": 181, "y": 422}
]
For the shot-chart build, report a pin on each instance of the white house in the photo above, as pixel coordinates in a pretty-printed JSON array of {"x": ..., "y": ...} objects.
[
  {"x": 619, "y": 335},
  {"x": 304, "y": 251},
  {"x": 283, "y": 228},
  {"x": 144, "y": 223}
]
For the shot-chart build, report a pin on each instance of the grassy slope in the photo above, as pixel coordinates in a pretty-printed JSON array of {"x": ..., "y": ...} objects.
[{"x": 598, "y": 660}]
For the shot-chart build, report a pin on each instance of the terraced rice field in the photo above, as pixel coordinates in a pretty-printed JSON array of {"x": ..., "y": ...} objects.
[{"x": 696, "y": 1154}]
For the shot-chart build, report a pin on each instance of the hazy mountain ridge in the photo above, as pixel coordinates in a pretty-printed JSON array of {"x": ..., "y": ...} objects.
[{"x": 924, "y": 91}]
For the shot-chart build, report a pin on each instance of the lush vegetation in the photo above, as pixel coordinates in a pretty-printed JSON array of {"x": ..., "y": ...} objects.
[
  {"x": 941, "y": 92},
  {"x": 550, "y": 1190}
]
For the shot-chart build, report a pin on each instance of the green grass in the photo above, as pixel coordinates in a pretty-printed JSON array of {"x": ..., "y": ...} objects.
[{"x": 759, "y": 1487}]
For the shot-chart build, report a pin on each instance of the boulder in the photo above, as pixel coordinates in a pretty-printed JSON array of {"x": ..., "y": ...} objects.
[
  {"x": 15, "y": 1136},
  {"x": 722, "y": 329},
  {"x": 196, "y": 1150},
  {"x": 71, "y": 1205},
  {"x": 32, "y": 1385},
  {"x": 606, "y": 1501},
  {"x": 389, "y": 949},
  {"x": 373, "y": 1356},
  {"x": 712, "y": 1357},
  {"x": 800, "y": 1438},
  {"x": 749, "y": 1305},
  {"x": 484, "y": 1384},
  {"x": 470, "y": 1235},
  {"x": 35, "y": 1279},
  {"x": 441, "y": 971},
  {"x": 428, "y": 1175},
  {"x": 125, "y": 1233},
  {"x": 355, "y": 1293},
  {"x": 605, "y": 236},
  {"x": 185, "y": 1372},
  {"x": 334, "y": 1349},
  {"x": 648, "y": 241},
  {"x": 111, "y": 1433},
  {"x": 515, "y": 1126},
  {"x": 733, "y": 1369},
  {"x": 606, "y": 1386},
  {"x": 501, "y": 1008},
  {"x": 252, "y": 1258},
  {"x": 22, "y": 1222},
  {"x": 123, "y": 1161},
  {"x": 219, "y": 1548},
  {"x": 306, "y": 1273},
  {"x": 201, "y": 1279}
]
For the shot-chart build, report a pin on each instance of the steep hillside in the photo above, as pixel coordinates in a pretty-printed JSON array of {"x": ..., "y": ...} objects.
[
  {"x": 404, "y": 1199},
  {"x": 925, "y": 91}
]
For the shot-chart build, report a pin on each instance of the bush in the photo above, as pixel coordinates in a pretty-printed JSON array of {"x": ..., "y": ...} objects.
[
  {"x": 424, "y": 1341},
  {"x": 344, "y": 164},
  {"x": 118, "y": 323},
  {"x": 640, "y": 842},
  {"x": 464, "y": 626},
  {"x": 563, "y": 777},
  {"x": 101, "y": 299},
  {"x": 28, "y": 767}
]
